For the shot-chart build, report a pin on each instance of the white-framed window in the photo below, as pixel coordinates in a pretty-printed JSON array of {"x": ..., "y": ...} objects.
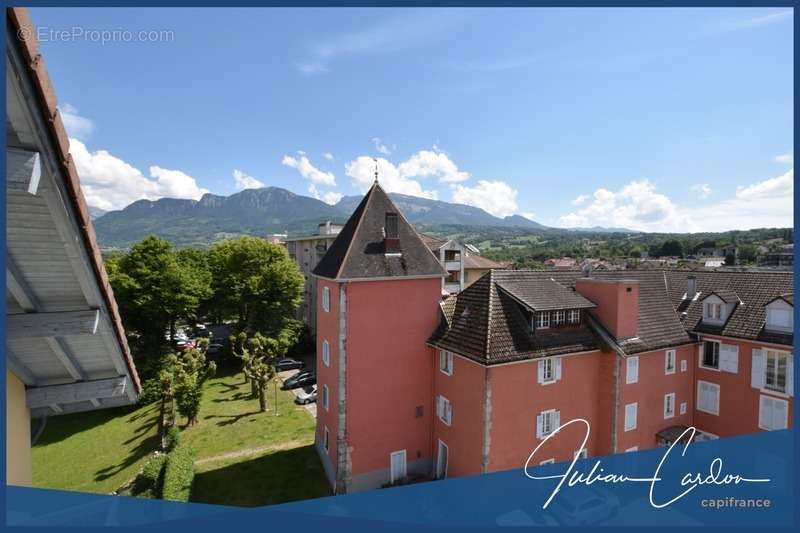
[
  {"x": 707, "y": 397},
  {"x": 630, "y": 416},
  {"x": 780, "y": 316},
  {"x": 325, "y": 394},
  {"x": 547, "y": 422},
  {"x": 773, "y": 370},
  {"x": 326, "y": 299},
  {"x": 773, "y": 413},
  {"x": 543, "y": 320},
  {"x": 549, "y": 370},
  {"x": 712, "y": 311},
  {"x": 397, "y": 466},
  {"x": 709, "y": 358},
  {"x": 683, "y": 408},
  {"x": 776, "y": 370},
  {"x": 559, "y": 317},
  {"x": 547, "y": 461},
  {"x": 582, "y": 454},
  {"x": 326, "y": 352},
  {"x": 669, "y": 405},
  {"x": 632, "y": 449},
  {"x": 574, "y": 316},
  {"x": 326, "y": 439},
  {"x": 669, "y": 362},
  {"x": 632, "y": 369},
  {"x": 444, "y": 410},
  {"x": 684, "y": 365},
  {"x": 446, "y": 362}
]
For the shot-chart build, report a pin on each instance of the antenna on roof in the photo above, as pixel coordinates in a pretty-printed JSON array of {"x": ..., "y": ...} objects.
[{"x": 376, "y": 169}]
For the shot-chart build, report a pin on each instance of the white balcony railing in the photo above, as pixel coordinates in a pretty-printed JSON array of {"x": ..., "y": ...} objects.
[
  {"x": 452, "y": 287},
  {"x": 452, "y": 266}
]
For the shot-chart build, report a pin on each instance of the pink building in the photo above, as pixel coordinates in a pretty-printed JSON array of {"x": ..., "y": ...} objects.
[{"x": 413, "y": 386}]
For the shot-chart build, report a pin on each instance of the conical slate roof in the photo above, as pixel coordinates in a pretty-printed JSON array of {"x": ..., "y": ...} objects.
[{"x": 359, "y": 251}]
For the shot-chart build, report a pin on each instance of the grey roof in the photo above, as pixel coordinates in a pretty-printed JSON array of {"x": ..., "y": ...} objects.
[
  {"x": 358, "y": 252},
  {"x": 754, "y": 289},
  {"x": 726, "y": 295},
  {"x": 543, "y": 294},
  {"x": 788, "y": 298},
  {"x": 475, "y": 261}
]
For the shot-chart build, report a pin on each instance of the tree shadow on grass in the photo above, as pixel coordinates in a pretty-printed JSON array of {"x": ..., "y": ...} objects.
[
  {"x": 145, "y": 447},
  {"x": 232, "y": 419},
  {"x": 62, "y": 427},
  {"x": 235, "y": 397},
  {"x": 277, "y": 477}
]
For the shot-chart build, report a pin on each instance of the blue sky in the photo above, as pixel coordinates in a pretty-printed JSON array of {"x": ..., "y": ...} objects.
[{"x": 676, "y": 119}]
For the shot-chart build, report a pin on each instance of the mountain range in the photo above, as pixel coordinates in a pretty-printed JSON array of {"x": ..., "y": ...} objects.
[{"x": 269, "y": 210}]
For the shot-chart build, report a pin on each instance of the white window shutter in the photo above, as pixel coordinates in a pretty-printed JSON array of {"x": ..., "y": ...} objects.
[
  {"x": 729, "y": 358},
  {"x": 439, "y": 406},
  {"x": 790, "y": 374},
  {"x": 556, "y": 420},
  {"x": 764, "y": 412},
  {"x": 538, "y": 426},
  {"x": 558, "y": 368},
  {"x": 779, "y": 414},
  {"x": 540, "y": 376},
  {"x": 757, "y": 370},
  {"x": 700, "y": 354}
]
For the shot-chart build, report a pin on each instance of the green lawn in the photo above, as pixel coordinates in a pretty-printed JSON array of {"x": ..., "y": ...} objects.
[
  {"x": 97, "y": 451},
  {"x": 244, "y": 457}
]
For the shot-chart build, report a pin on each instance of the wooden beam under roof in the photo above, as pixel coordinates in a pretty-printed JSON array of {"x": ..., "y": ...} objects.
[
  {"x": 82, "y": 391},
  {"x": 60, "y": 324},
  {"x": 23, "y": 170}
]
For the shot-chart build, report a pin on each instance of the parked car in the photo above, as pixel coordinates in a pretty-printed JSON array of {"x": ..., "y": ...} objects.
[
  {"x": 214, "y": 349},
  {"x": 307, "y": 395},
  {"x": 182, "y": 346},
  {"x": 301, "y": 379},
  {"x": 583, "y": 505},
  {"x": 288, "y": 363}
]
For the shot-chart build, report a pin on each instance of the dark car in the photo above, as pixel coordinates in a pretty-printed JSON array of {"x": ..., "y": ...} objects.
[
  {"x": 289, "y": 364},
  {"x": 214, "y": 349},
  {"x": 301, "y": 379}
]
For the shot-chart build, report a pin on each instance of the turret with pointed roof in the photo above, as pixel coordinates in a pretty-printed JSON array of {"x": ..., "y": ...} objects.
[{"x": 377, "y": 242}]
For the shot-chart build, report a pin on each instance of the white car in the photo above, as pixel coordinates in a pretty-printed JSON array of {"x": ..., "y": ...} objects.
[
  {"x": 582, "y": 505},
  {"x": 306, "y": 395}
]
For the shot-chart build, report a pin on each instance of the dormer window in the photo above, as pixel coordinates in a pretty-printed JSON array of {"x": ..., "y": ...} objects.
[
  {"x": 712, "y": 311},
  {"x": 574, "y": 316},
  {"x": 543, "y": 320},
  {"x": 780, "y": 315}
]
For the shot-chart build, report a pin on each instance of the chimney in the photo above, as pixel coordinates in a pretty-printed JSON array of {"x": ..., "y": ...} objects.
[
  {"x": 691, "y": 286},
  {"x": 617, "y": 303},
  {"x": 391, "y": 234}
]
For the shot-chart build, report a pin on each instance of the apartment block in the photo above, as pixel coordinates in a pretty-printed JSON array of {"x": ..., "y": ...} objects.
[{"x": 424, "y": 385}]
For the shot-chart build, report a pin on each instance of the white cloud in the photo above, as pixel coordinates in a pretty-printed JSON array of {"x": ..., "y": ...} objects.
[
  {"x": 637, "y": 205},
  {"x": 786, "y": 159},
  {"x": 752, "y": 22},
  {"x": 76, "y": 125},
  {"x": 245, "y": 181},
  {"x": 328, "y": 156},
  {"x": 771, "y": 188},
  {"x": 110, "y": 183},
  {"x": 309, "y": 69},
  {"x": 580, "y": 199},
  {"x": 362, "y": 172},
  {"x": 702, "y": 190},
  {"x": 309, "y": 171},
  {"x": 494, "y": 197},
  {"x": 380, "y": 147},
  {"x": 427, "y": 163},
  {"x": 330, "y": 197},
  {"x": 530, "y": 216}
]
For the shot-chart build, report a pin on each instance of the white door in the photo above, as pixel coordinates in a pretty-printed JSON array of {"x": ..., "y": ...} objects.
[
  {"x": 441, "y": 461},
  {"x": 398, "y": 465}
]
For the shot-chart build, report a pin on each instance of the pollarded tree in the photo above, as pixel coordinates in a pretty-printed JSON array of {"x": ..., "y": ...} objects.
[
  {"x": 259, "y": 354},
  {"x": 190, "y": 371}
]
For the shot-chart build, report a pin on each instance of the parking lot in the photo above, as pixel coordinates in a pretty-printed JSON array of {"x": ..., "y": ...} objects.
[{"x": 310, "y": 361}]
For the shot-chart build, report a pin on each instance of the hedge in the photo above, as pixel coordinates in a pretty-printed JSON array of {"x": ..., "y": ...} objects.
[
  {"x": 148, "y": 483},
  {"x": 173, "y": 437},
  {"x": 178, "y": 474}
]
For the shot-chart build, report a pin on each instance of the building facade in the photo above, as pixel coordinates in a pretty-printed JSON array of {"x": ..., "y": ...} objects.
[
  {"x": 477, "y": 385},
  {"x": 307, "y": 251}
]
